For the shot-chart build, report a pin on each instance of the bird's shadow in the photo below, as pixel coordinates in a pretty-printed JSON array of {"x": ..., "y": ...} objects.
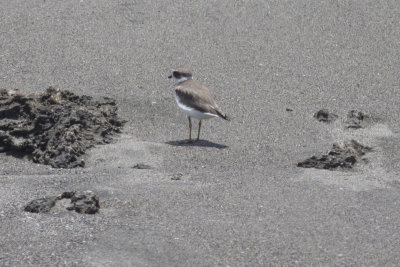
[{"x": 199, "y": 143}]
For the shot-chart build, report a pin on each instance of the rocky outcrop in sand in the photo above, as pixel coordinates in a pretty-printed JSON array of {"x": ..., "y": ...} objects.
[
  {"x": 82, "y": 202},
  {"x": 341, "y": 156},
  {"x": 55, "y": 127}
]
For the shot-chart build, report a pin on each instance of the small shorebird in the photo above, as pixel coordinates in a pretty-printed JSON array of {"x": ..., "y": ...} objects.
[{"x": 194, "y": 99}]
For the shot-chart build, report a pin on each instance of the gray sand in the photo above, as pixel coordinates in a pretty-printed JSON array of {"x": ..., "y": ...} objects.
[{"x": 241, "y": 200}]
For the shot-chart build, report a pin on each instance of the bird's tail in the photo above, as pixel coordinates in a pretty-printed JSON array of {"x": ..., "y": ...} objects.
[{"x": 223, "y": 115}]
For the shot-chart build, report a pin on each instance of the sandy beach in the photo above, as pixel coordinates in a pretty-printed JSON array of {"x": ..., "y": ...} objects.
[{"x": 236, "y": 197}]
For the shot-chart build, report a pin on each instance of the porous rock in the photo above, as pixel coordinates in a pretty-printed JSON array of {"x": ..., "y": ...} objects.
[
  {"x": 80, "y": 201},
  {"x": 41, "y": 205},
  {"x": 341, "y": 156},
  {"x": 55, "y": 127},
  {"x": 84, "y": 202},
  {"x": 357, "y": 119},
  {"x": 325, "y": 115}
]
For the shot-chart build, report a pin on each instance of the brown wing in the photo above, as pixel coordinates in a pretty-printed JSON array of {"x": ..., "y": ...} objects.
[{"x": 193, "y": 94}]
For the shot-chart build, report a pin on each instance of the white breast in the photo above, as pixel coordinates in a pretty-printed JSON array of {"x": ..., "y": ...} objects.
[{"x": 193, "y": 113}]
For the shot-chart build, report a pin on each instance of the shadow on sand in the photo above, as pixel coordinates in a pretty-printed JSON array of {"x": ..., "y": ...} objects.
[{"x": 200, "y": 143}]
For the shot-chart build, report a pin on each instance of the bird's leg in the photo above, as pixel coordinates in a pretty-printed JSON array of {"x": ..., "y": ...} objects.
[
  {"x": 198, "y": 131},
  {"x": 190, "y": 129}
]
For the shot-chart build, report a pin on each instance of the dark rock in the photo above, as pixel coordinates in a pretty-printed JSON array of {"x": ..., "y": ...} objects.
[
  {"x": 55, "y": 127},
  {"x": 343, "y": 156},
  {"x": 177, "y": 176},
  {"x": 358, "y": 119},
  {"x": 82, "y": 202},
  {"x": 41, "y": 205},
  {"x": 141, "y": 166},
  {"x": 67, "y": 194},
  {"x": 85, "y": 202},
  {"x": 325, "y": 115}
]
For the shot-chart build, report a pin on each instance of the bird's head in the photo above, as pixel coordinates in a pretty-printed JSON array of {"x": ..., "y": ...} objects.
[{"x": 181, "y": 74}]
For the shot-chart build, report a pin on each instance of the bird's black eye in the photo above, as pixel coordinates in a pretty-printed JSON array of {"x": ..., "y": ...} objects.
[{"x": 176, "y": 74}]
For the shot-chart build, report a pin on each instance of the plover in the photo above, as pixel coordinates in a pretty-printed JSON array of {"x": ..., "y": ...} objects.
[{"x": 194, "y": 99}]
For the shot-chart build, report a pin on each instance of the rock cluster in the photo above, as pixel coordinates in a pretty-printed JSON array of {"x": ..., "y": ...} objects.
[
  {"x": 325, "y": 115},
  {"x": 55, "y": 127},
  {"x": 357, "y": 119},
  {"x": 343, "y": 156},
  {"x": 82, "y": 202}
]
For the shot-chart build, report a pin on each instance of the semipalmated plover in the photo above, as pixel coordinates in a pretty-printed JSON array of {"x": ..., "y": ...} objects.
[{"x": 194, "y": 99}]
